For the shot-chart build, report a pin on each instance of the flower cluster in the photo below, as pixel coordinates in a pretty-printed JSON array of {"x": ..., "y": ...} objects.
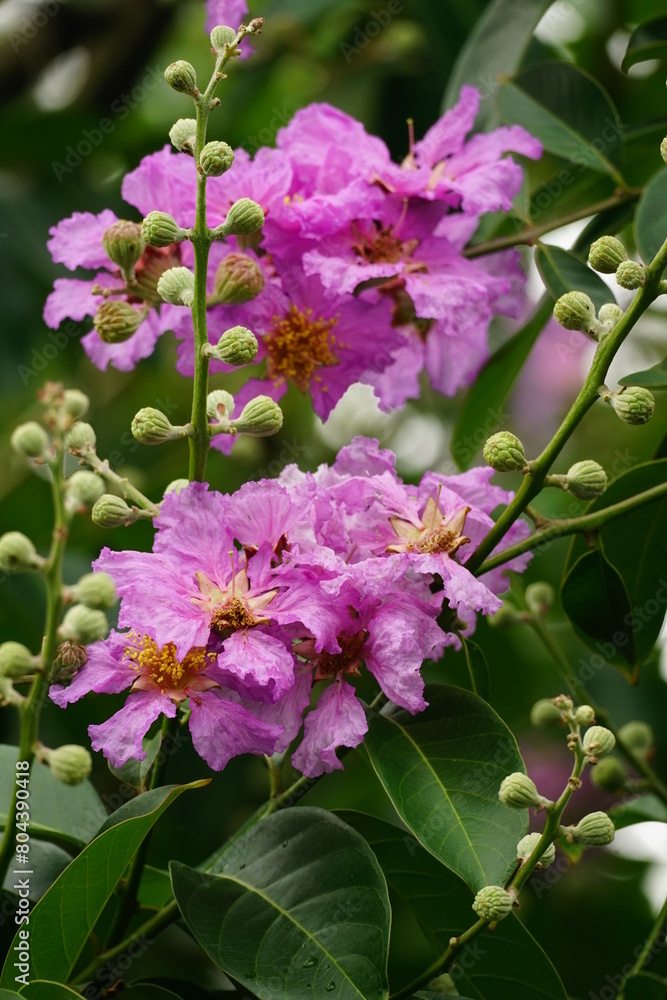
[{"x": 249, "y": 601}]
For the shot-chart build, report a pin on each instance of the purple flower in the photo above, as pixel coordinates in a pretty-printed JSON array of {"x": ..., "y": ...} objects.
[{"x": 230, "y": 12}]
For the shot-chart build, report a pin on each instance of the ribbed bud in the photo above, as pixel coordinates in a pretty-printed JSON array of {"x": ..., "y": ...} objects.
[
  {"x": 586, "y": 480},
  {"x": 160, "y": 229},
  {"x": 181, "y": 76},
  {"x": 219, "y": 405},
  {"x": 506, "y": 617},
  {"x": 216, "y": 158},
  {"x": 70, "y": 764},
  {"x": 95, "y": 590},
  {"x": 151, "y": 426},
  {"x": 584, "y": 715},
  {"x": 631, "y": 275},
  {"x": 183, "y": 135},
  {"x": 176, "y": 485},
  {"x": 16, "y": 660},
  {"x": 69, "y": 658},
  {"x": 609, "y": 315},
  {"x": 518, "y": 791},
  {"x": 504, "y": 452},
  {"x": 111, "y": 512},
  {"x": 663, "y": 149},
  {"x": 261, "y": 417},
  {"x": 17, "y": 553},
  {"x": 544, "y": 713},
  {"x": 81, "y": 439},
  {"x": 594, "y": 830},
  {"x": 527, "y": 845},
  {"x": 116, "y": 321},
  {"x": 237, "y": 346},
  {"x": 606, "y": 254},
  {"x": 540, "y": 597},
  {"x": 575, "y": 311},
  {"x": 123, "y": 243},
  {"x": 75, "y": 403},
  {"x": 238, "y": 279},
  {"x": 598, "y": 741},
  {"x": 221, "y": 37},
  {"x": 632, "y": 405},
  {"x": 638, "y": 736},
  {"x": 177, "y": 286},
  {"x": 84, "y": 625},
  {"x": 244, "y": 217},
  {"x": 30, "y": 440},
  {"x": 84, "y": 487},
  {"x": 493, "y": 903},
  {"x": 609, "y": 775}
]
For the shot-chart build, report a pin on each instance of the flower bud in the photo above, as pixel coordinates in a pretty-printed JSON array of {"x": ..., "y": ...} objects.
[
  {"x": 610, "y": 314},
  {"x": 244, "y": 217},
  {"x": 112, "y": 512},
  {"x": 69, "y": 658},
  {"x": 598, "y": 741},
  {"x": 584, "y": 715},
  {"x": 633, "y": 404},
  {"x": 177, "y": 286},
  {"x": 70, "y": 764},
  {"x": 16, "y": 660},
  {"x": 219, "y": 405},
  {"x": 95, "y": 590},
  {"x": 663, "y": 149},
  {"x": 30, "y": 440},
  {"x": 638, "y": 736},
  {"x": 606, "y": 254},
  {"x": 527, "y": 845},
  {"x": 237, "y": 346},
  {"x": 222, "y": 36},
  {"x": 518, "y": 791},
  {"x": 81, "y": 439},
  {"x": 631, "y": 275},
  {"x": 216, "y": 158},
  {"x": 123, "y": 243},
  {"x": 84, "y": 488},
  {"x": 261, "y": 417},
  {"x": 255, "y": 26},
  {"x": 594, "y": 830},
  {"x": 544, "y": 713},
  {"x": 75, "y": 403},
  {"x": 493, "y": 903},
  {"x": 586, "y": 480},
  {"x": 575, "y": 311},
  {"x": 181, "y": 76},
  {"x": 609, "y": 775},
  {"x": 160, "y": 229},
  {"x": 17, "y": 553},
  {"x": 84, "y": 625},
  {"x": 151, "y": 426},
  {"x": 540, "y": 597},
  {"x": 238, "y": 279},
  {"x": 176, "y": 485},
  {"x": 504, "y": 452},
  {"x": 117, "y": 321},
  {"x": 506, "y": 617},
  {"x": 563, "y": 702},
  {"x": 183, "y": 135}
]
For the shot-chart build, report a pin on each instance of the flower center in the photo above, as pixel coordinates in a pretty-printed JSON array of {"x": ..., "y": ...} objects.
[
  {"x": 299, "y": 344},
  {"x": 441, "y": 539},
  {"x": 346, "y": 662},
  {"x": 231, "y": 615},
  {"x": 160, "y": 664},
  {"x": 382, "y": 247},
  {"x": 148, "y": 271}
]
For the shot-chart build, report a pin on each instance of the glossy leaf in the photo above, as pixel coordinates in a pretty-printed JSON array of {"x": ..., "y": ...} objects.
[
  {"x": 8, "y": 995},
  {"x": 563, "y": 272},
  {"x": 648, "y": 41},
  {"x": 298, "y": 909},
  {"x": 478, "y": 668},
  {"x": 645, "y": 986},
  {"x": 651, "y": 217},
  {"x": 652, "y": 378},
  {"x": 86, "y": 885},
  {"x": 134, "y": 772},
  {"x": 442, "y": 770},
  {"x": 47, "y": 861},
  {"x": 644, "y": 809},
  {"x": 44, "y": 989}
]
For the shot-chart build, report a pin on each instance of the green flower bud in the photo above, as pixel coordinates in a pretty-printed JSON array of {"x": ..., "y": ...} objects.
[
  {"x": 30, "y": 440},
  {"x": 116, "y": 321},
  {"x": 81, "y": 439},
  {"x": 95, "y": 590},
  {"x": 633, "y": 404},
  {"x": 124, "y": 244},
  {"x": 609, "y": 775},
  {"x": 69, "y": 658},
  {"x": 638, "y": 736},
  {"x": 75, "y": 403},
  {"x": 244, "y": 217},
  {"x": 586, "y": 480},
  {"x": 606, "y": 254},
  {"x": 493, "y": 903},
  {"x": 181, "y": 76},
  {"x": 238, "y": 279},
  {"x": 84, "y": 488},
  {"x": 544, "y": 713},
  {"x": 176, "y": 485},
  {"x": 518, "y": 791},
  {"x": 221, "y": 37},
  {"x": 540, "y": 597},
  {"x": 527, "y": 845},
  {"x": 506, "y": 617},
  {"x": 504, "y": 452},
  {"x": 261, "y": 417},
  {"x": 84, "y": 625},
  {"x": 112, "y": 512},
  {"x": 610, "y": 314},
  {"x": 216, "y": 158},
  {"x": 160, "y": 229},
  {"x": 598, "y": 741},
  {"x": 563, "y": 702},
  {"x": 151, "y": 426},
  {"x": 219, "y": 405},
  {"x": 237, "y": 346},
  {"x": 663, "y": 149},
  {"x": 183, "y": 136},
  {"x": 16, "y": 660},
  {"x": 575, "y": 311},
  {"x": 594, "y": 830},
  {"x": 8, "y": 695},
  {"x": 177, "y": 286},
  {"x": 17, "y": 553},
  {"x": 584, "y": 715},
  {"x": 70, "y": 764},
  {"x": 631, "y": 274}
]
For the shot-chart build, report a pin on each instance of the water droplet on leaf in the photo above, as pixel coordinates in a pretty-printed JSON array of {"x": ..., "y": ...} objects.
[
  {"x": 310, "y": 963},
  {"x": 330, "y": 986}
]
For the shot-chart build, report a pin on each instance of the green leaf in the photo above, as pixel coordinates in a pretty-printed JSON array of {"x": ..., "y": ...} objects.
[
  {"x": 442, "y": 770},
  {"x": 86, "y": 885},
  {"x": 478, "y": 668},
  {"x": 652, "y": 378},
  {"x": 563, "y": 272},
  {"x": 67, "y": 814},
  {"x": 645, "y": 809},
  {"x": 503, "y": 965},
  {"x": 149, "y": 991},
  {"x": 44, "y": 989},
  {"x": 568, "y": 112},
  {"x": 651, "y": 217},
  {"x": 299, "y": 909},
  {"x": 8, "y": 995},
  {"x": 47, "y": 861},
  {"x": 134, "y": 772},
  {"x": 648, "y": 41},
  {"x": 155, "y": 889},
  {"x": 645, "y": 986}
]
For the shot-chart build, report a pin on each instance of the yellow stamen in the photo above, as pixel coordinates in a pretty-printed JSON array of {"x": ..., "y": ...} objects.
[
  {"x": 161, "y": 664},
  {"x": 299, "y": 344}
]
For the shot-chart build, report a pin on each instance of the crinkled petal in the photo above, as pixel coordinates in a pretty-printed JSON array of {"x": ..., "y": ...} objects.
[
  {"x": 222, "y": 729},
  {"x": 104, "y": 672},
  {"x": 339, "y": 720},
  {"x": 401, "y": 637},
  {"x": 120, "y": 737},
  {"x": 258, "y": 659},
  {"x": 74, "y": 299},
  {"x": 77, "y": 241},
  {"x": 124, "y": 356},
  {"x": 164, "y": 180},
  {"x": 262, "y": 512}
]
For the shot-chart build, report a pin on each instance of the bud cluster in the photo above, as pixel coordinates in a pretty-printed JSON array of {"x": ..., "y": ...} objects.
[{"x": 608, "y": 256}]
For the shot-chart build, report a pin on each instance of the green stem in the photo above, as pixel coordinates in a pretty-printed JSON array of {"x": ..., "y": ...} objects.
[
  {"x": 130, "y": 492},
  {"x": 645, "y": 954}
]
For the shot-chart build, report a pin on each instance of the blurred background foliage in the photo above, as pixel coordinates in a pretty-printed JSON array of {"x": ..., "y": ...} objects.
[{"x": 66, "y": 66}]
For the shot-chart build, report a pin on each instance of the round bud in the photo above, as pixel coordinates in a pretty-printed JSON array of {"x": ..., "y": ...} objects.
[
  {"x": 584, "y": 715},
  {"x": 80, "y": 439},
  {"x": 75, "y": 403},
  {"x": 504, "y": 452},
  {"x": 594, "y": 830},
  {"x": 493, "y": 903},
  {"x": 183, "y": 135},
  {"x": 16, "y": 660},
  {"x": 160, "y": 229},
  {"x": 632, "y": 405},
  {"x": 17, "y": 553},
  {"x": 123, "y": 243},
  {"x": 575, "y": 311},
  {"x": 563, "y": 702},
  {"x": 151, "y": 426},
  {"x": 219, "y": 405},
  {"x": 540, "y": 597},
  {"x": 216, "y": 158},
  {"x": 638, "y": 736},
  {"x": 631, "y": 275},
  {"x": 30, "y": 440},
  {"x": 69, "y": 658},
  {"x": 239, "y": 278},
  {"x": 95, "y": 590},
  {"x": 70, "y": 764},
  {"x": 544, "y": 713},
  {"x": 586, "y": 480},
  {"x": 84, "y": 625},
  {"x": 506, "y": 617},
  {"x": 111, "y": 512},
  {"x": 518, "y": 791},
  {"x": 663, "y": 149},
  {"x": 181, "y": 76},
  {"x": 261, "y": 417},
  {"x": 610, "y": 314},
  {"x": 84, "y": 487},
  {"x": 222, "y": 36},
  {"x": 609, "y": 775},
  {"x": 598, "y": 741},
  {"x": 244, "y": 217},
  {"x": 176, "y": 485},
  {"x": 116, "y": 321},
  {"x": 237, "y": 346},
  {"x": 606, "y": 254},
  {"x": 177, "y": 286},
  {"x": 527, "y": 845}
]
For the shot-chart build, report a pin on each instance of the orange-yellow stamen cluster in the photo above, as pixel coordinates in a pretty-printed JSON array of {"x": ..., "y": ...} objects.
[
  {"x": 161, "y": 664},
  {"x": 230, "y": 616},
  {"x": 299, "y": 344}
]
